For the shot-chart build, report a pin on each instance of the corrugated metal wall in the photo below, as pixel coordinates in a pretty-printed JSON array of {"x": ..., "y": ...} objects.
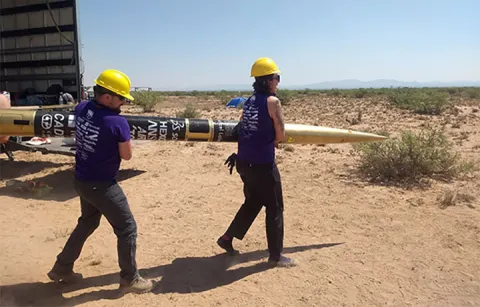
[{"x": 39, "y": 46}]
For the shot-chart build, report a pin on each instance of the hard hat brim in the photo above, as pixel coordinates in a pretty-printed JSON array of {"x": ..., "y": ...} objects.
[{"x": 269, "y": 73}]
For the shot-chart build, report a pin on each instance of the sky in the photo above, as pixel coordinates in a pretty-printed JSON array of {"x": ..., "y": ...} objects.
[{"x": 188, "y": 44}]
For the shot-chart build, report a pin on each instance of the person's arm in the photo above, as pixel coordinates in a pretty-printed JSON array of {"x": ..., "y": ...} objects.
[
  {"x": 4, "y": 104},
  {"x": 125, "y": 149},
  {"x": 276, "y": 113},
  {"x": 124, "y": 139}
]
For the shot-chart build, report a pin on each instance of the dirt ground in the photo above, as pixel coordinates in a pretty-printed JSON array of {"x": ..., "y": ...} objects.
[{"x": 357, "y": 244}]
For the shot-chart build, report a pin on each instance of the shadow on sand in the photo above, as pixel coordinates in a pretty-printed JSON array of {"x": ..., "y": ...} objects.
[
  {"x": 61, "y": 182},
  {"x": 14, "y": 169},
  {"x": 183, "y": 275}
]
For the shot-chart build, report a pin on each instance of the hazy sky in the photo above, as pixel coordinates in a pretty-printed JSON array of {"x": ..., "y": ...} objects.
[{"x": 169, "y": 44}]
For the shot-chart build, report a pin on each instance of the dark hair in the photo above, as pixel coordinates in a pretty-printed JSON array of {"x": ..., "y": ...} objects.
[
  {"x": 99, "y": 91},
  {"x": 260, "y": 85}
]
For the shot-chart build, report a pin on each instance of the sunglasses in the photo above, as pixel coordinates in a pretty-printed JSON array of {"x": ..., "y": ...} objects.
[
  {"x": 277, "y": 77},
  {"x": 120, "y": 97}
]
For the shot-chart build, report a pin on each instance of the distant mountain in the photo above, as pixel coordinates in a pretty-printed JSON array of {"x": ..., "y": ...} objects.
[
  {"x": 225, "y": 87},
  {"x": 353, "y": 83},
  {"x": 340, "y": 84}
]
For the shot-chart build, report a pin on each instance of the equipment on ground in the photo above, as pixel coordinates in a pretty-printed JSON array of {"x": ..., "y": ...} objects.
[{"x": 236, "y": 102}]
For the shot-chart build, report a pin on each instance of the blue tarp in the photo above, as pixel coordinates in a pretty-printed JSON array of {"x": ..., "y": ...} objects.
[{"x": 236, "y": 102}]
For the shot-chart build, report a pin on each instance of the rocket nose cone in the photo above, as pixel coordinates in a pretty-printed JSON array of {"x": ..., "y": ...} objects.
[
  {"x": 369, "y": 136},
  {"x": 379, "y": 137}
]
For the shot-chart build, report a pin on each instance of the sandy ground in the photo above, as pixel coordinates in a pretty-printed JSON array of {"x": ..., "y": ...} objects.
[{"x": 357, "y": 244}]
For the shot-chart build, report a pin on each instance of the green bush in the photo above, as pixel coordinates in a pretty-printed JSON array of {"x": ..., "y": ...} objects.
[
  {"x": 473, "y": 93},
  {"x": 189, "y": 112},
  {"x": 146, "y": 99},
  {"x": 285, "y": 96},
  {"x": 410, "y": 158},
  {"x": 421, "y": 101}
]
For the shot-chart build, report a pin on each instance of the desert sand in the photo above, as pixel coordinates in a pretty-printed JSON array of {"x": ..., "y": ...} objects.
[{"x": 357, "y": 243}]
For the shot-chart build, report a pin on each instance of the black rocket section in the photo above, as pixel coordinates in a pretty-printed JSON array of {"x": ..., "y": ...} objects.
[
  {"x": 200, "y": 129},
  {"x": 179, "y": 129},
  {"x": 54, "y": 124},
  {"x": 48, "y": 123},
  {"x": 156, "y": 128},
  {"x": 225, "y": 131}
]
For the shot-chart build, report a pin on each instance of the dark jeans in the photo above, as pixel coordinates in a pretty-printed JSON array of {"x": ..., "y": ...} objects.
[
  {"x": 97, "y": 199},
  {"x": 262, "y": 187}
]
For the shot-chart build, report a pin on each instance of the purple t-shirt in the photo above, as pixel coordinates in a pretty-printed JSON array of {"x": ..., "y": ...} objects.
[{"x": 98, "y": 130}]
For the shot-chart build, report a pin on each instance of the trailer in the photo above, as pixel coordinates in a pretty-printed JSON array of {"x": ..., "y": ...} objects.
[
  {"x": 40, "y": 51},
  {"x": 40, "y": 60}
]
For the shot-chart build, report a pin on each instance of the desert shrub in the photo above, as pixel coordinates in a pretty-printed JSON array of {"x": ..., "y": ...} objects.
[
  {"x": 360, "y": 93},
  {"x": 410, "y": 158},
  {"x": 421, "y": 101},
  {"x": 473, "y": 93},
  {"x": 189, "y": 112},
  {"x": 286, "y": 96},
  {"x": 407, "y": 93},
  {"x": 334, "y": 92},
  {"x": 225, "y": 96},
  {"x": 146, "y": 99}
]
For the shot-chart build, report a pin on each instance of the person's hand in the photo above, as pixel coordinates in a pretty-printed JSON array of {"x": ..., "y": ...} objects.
[
  {"x": 236, "y": 131},
  {"x": 231, "y": 161},
  {"x": 276, "y": 144}
]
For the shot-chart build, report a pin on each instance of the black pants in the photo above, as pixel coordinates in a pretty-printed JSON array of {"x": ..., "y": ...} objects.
[
  {"x": 262, "y": 187},
  {"x": 97, "y": 199}
]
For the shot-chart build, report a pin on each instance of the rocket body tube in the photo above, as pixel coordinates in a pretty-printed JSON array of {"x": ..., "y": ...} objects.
[{"x": 50, "y": 123}]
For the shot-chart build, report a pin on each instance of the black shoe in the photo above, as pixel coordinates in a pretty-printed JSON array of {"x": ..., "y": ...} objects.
[
  {"x": 227, "y": 246},
  {"x": 69, "y": 278}
]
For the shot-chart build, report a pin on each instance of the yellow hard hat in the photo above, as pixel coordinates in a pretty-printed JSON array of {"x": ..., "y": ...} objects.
[
  {"x": 264, "y": 67},
  {"x": 115, "y": 81}
]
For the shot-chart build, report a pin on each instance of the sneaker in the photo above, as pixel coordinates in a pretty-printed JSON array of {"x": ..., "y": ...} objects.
[
  {"x": 283, "y": 262},
  {"x": 227, "y": 246},
  {"x": 139, "y": 285},
  {"x": 68, "y": 278}
]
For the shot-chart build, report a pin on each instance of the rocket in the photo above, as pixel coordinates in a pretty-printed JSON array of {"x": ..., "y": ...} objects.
[{"x": 60, "y": 123}]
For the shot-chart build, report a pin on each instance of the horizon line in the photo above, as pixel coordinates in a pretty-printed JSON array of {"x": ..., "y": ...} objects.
[{"x": 328, "y": 85}]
